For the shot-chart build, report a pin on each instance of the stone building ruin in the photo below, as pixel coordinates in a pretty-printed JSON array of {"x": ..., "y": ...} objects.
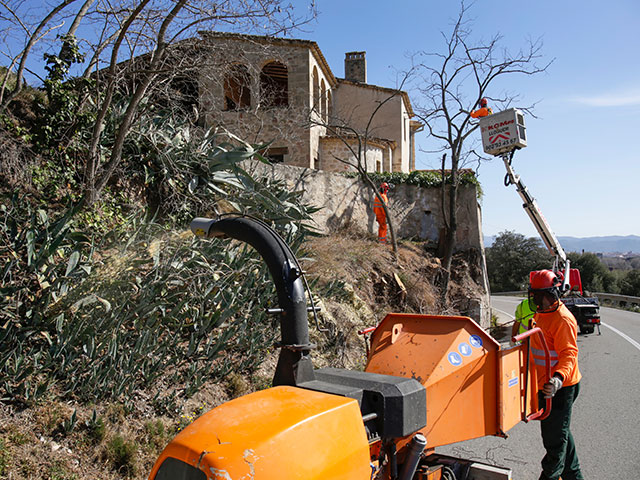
[{"x": 283, "y": 94}]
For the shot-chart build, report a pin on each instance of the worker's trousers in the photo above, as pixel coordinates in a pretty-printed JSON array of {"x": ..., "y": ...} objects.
[
  {"x": 561, "y": 459},
  {"x": 381, "y": 218}
]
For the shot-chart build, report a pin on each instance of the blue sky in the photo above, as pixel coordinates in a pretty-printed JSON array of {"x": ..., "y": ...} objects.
[{"x": 582, "y": 164}]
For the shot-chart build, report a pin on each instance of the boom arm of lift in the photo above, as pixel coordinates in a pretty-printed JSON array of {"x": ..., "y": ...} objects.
[{"x": 544, "y": 230}]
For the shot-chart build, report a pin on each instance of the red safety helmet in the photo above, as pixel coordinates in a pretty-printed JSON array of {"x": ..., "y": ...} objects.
[
  {"x": 384, "y": 187},
  {"x": 543, "y": 282},
  {"x": 483, "y": 102}
]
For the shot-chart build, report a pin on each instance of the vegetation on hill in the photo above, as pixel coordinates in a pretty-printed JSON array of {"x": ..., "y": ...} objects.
[
  {"x": 118, "y": 327},
  {"x": 512, "y": 256},
  {"x": 426, "y": 178}
]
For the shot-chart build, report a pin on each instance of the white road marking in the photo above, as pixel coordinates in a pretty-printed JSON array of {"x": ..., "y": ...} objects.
[
  {"x": 514, "y": 301},
  {"x": 623, "y": 335},
  {"x": 502, "y": 311}
]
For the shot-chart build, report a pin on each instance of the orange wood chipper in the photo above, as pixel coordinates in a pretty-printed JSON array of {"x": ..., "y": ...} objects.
[{"x": 429, "y": 381}]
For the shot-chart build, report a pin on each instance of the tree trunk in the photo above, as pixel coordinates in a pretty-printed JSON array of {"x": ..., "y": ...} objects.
[
  {"x": 93, "y": 161},
  {"x": 451, "y": 228},
  {"x": 132, "y": 108}
]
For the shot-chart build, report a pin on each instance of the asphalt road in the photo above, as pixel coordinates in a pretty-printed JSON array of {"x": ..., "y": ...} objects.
[{"x": 606, "y": 415}]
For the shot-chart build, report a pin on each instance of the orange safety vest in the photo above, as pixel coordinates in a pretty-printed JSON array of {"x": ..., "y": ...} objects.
[
  {"x": 560, "y": 331},
  {"x": 481, "y": 112}
]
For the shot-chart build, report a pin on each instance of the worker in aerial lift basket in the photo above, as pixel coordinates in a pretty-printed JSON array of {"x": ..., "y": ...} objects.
[
  {"x": 560, "y": 331},
  {"x": 483, "y": 111},
  {"x": 378, "y": 210}
]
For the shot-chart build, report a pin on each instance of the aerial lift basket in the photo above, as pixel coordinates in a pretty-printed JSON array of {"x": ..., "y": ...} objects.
[{"x": 503, "y": 132}]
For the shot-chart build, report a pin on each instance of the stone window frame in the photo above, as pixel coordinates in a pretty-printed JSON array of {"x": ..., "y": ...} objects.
[
  {"x": 274, "y": 85},
  {"x": 237, "y": 88},
  {"x": 323, "y": 100}
]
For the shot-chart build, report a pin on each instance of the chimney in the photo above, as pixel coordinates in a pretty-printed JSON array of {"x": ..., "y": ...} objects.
[{"x": 355, "y": 67}]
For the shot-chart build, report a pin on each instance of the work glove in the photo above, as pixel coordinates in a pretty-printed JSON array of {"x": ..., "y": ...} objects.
[{"x": 551, "y": 387}]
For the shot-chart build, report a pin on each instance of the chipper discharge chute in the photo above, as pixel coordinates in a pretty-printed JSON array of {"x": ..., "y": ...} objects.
[{"x": 429, "y": 381}]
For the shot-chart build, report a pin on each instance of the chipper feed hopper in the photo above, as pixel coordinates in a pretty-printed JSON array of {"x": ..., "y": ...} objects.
[{"x": 429, "y": 381}]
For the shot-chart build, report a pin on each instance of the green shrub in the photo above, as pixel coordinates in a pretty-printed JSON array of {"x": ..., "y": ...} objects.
[
  {"x": 117, "y": 312},
  {"x": 122, "y": 455},
  {"x": 421, "y": 178},
  {"x": 5, "y": 457},
  {"x": 155, "y": 433},
  {"x": 95, "y": 428}
]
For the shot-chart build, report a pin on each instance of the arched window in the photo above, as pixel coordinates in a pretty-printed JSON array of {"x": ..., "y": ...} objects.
[
  {"x": 323, "y": 100},
  {"x": 329, "y": 106},
  {"x": 316, "y": 90},
  {"x": 274, "y": 85},
  {"x": 237, "y": 93}
]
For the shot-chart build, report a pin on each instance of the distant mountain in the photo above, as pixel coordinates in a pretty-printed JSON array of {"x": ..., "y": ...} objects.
[{"x": 609, "y": 244}]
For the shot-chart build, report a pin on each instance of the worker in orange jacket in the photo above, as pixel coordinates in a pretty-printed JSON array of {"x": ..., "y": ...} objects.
[
  {"x": 483, "y": 111},
  {"x": 378, "y": 209},
  {"x": 560, "y": 331}
]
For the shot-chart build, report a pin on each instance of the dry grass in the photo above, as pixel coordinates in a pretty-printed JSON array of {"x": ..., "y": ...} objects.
[{"x": 376, "y": 277}]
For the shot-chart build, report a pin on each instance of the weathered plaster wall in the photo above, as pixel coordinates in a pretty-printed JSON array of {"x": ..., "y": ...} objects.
[
  {"x": 355, "y": 104},
  {"x": 417, "y": 212},
  {"x": 332, "y": 148}
]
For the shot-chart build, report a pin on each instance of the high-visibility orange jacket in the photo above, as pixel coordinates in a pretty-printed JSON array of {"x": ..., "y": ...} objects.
[
  {"x": 481, "y": 112},
  {"x": 381, "y": 217},
  {"x": 377, "y": 205},
  {"x": 560, "y": 330}
]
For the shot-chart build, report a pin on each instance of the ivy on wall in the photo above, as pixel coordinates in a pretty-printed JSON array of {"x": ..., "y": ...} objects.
[{"x": 422, "y": 178}]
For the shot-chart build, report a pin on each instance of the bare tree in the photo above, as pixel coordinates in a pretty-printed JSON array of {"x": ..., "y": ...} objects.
[
  {"x": 452, "y": 84},
  {"x": 129, "y": 55},
  {"x": 357, "y": 137}
]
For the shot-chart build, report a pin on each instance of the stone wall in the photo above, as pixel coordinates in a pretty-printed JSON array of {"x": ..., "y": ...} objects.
[
  {"x": 333, "y": 148},
  {"x": 234, "y": 74},
  {"x": 417, "y": 213}
]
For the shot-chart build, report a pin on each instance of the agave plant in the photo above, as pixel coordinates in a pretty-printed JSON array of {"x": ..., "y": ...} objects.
[{"x": 146, "y": 306}]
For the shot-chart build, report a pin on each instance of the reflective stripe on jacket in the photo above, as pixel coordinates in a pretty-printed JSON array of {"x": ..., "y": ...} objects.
[
  {"x": 377, "y": 205},
  {"x": 560, "y": 331}
]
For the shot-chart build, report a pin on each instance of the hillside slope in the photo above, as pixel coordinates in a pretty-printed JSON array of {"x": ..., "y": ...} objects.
[{"x": 355, "y": 280}]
